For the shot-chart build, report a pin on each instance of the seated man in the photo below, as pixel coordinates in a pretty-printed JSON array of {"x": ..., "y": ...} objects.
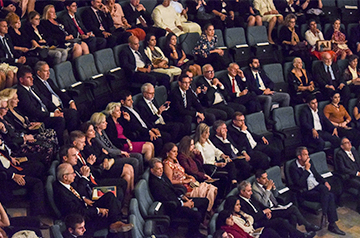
[
  {"x": 32, "y": 105},
  {"x": 157, "y": 116},
  {"x": 256, "y": 146},
  {"x": 316, "y": 128},
  {"x": 348, "y": 163},
  {"x": 186, "y": 108},
  {"x": 216, "y": 94},
  {"x": 165, "y": 17},
  {"x": 246, "y": 166},
  {"x": 27, "y": 175},
  {"x": 261, "y": 85},
  {"x": 264, "y": 191},
  {"x": 54, "y": 98},
  {"x": 75, "y": 226},
  {"x": 102, "y": 213},
  {"x": 263, "y": 215},
  {"x": 317, "y": 189},
  {"x": 237, "y": 89},
  {"x": 328, "y": 76},
  {"x": 137, "y": 65},
  {"x": 180, "y": 207},
  {"x": 138, "y": 128}
]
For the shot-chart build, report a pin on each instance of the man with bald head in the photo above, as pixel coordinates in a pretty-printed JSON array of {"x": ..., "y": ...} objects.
[
  {"x": 138, "y": 66},
  {"x": 328, "y": 76}
]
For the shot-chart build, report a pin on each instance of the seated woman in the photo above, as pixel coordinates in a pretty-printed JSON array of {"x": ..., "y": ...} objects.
[
  {"x": 268, "y": 13},
  {"x": 115, "y": 132},
  {"x": 60, "y": 37},
  {"x": 244, "y": 10},
  {"x": 206, "y": 50},
  {"x": 312, "y": 36},
  {"x": 176, "y": 174},
  {"x": 23, "y": 136},
  {"x": 290, "y": 39},
  {"x": 226, "y": 223},
  {"x": 109, "y": 167},
  {"x": 338, "y": 39},
  {"x": 225, "y": 15},
  {"x": 120, "y": 21},
  {"x": 340, "y": 118},
  {"x": 177, "y": 56},
  {"x": 300, "y": 83},
  {"x": 158, "y": 59},
  {"x": 214, "y": 159},
  {"x": 351, "y": 74},
  {"x": 39, "y": 39},
  {"x": 98, "y": 119},
  {"x": 245, "y": 221}
]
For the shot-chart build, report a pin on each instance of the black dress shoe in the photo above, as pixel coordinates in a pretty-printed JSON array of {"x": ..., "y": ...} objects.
[
  {"x": 335, "y": 229},
  {"x": 312, "y": 227},
  {"x": 310, "y": 234}
]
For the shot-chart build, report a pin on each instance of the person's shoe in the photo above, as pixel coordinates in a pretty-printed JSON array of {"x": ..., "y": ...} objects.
[
  {"x": 312, "y": 227},
  {"x": 335, "y": 229},
  {"x": 323, "y": 221},
  {"x": 119, "y": 226},
  {"x": 310, "y": 234}
]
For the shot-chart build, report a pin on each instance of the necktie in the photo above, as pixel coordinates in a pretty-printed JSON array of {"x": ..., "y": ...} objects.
[
  {"x": 75, "y": 193},
  {"x": 8, "y": 51},
  {"x": 82, "y": 160},
  {"x": 257, "y": 80},
  {"x": 184, "y": 99},
  {"x": 351, "y": 156},
  {"x": 100, "y": 20},
  {"x": 81, "y": 32},
  {"x": 141, "y": 58},
  {"x": 1, "y": 3},
  {"x": 53, "y": 93},
  {"x": 43, "y": 107},
  {"x": 233, "y": 85},
  {"x": 154, "y": 111},
  {"x": 329, "y": 74}
]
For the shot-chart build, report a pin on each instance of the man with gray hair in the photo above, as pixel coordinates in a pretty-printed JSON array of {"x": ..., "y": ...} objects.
[{"x": 157, "y": 116}]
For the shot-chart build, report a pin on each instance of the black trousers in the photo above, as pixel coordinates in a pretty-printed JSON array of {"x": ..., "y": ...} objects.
[
  {"x": 292, "y": 214},
  {"x": 319, "y": 143},
  {"x": 271, "y": 151},
  {"x": 95, "y": 43}
]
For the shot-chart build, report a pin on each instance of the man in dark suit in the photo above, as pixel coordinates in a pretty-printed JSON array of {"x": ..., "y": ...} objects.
[
  {"x": 140, "y": 127},
  {"x": 185, "y": 107},
  {"x": 27, "y": 175},
  {"x": 305, "y": 177},
  {"x": 75, "y": 226},
  {"x": 216, "y": 96},
  {"x": 245, "y": 166},
  {"x": 137, "y": 16},
  {"x": 33, "y": 106},
  {"x": 137, "y": 65},
  {"x": 265, "y": 192},
  {"x": 158, "y": 116},
  {"x": 316, "y": 128},
  {"x": 348, "y": 163},
  {"x": 328, "y": 77},
  {"x": 257, "y": 146},
  {"x": 261, "y": 85},
  {"x": 74, "y": 26},
  {"x": 55, "y": 99},
  {"x": 162, "y": 190},
  {"x": 237, "y": 90},
  {"x": 97, "y": 19},
  {"x": 102, "y": 213},
  {"x": 263, "y": 215}
]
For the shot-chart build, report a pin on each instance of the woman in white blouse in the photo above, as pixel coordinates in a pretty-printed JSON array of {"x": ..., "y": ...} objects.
[{"x": 214, "y": 159}]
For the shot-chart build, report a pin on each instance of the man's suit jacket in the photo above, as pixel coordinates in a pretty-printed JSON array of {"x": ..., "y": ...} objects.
[
  {"x": 131, "y": 15},
  {"x": 127, "y": 60},
  {"x": 246, "y": 207},
  {"x": 322, "y": 78},
  {"x": 210, "y": 93},
  {"x": 134, "y": 125},
  {"x": 145, "y": 111},
  {"x": 16, "y": 55},
  {"x": 69, "y": 24},
  {"x": 251, "y": 81},
  {"x": 30, "y": 106},
  {"x": 307, "y": 122},
  {"x": 8, "y": 171},
  {"x": 240, "y": 140},
  {"x": 263, "y": 196},
  {"x": 45, "y": 93},
  {"x": 346, "y": 165},
  {"x": 226, "y": 81},
  {"x": 224, "y": 147},
  {"x": 299, "y": 176},
  {"x": 91, "y": 22},
  {"x": 177, "y": 104}
]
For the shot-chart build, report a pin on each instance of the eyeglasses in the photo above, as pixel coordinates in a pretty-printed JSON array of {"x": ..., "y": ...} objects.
[
  {"x": 210, "y": 72},
  {"x": 150, "y": 92},
  {"x": 3, "y": 108}
]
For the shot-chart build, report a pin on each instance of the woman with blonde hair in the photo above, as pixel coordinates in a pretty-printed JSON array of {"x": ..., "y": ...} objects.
[
  {"x": 57, "y": 32},
  {"x": 115, "y": 132}
]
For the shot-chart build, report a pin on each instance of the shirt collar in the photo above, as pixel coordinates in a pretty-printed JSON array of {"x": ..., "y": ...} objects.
[
  {"x": 299, "y": 165},
  {"x": 65, "y": 185}
]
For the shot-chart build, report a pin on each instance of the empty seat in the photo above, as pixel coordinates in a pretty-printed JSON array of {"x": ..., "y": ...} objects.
[
  {"x": 188, "y": 42},
  {"x": 284, "y": 196},
  {"x": 161, "y": 94},
  {"x": 236, "y": 41},
  {"x": 275, "y": 73}
]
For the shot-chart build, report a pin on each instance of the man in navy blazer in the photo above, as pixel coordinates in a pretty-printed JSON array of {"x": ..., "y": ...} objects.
[
  {"x": 315, "y": 127},
  {"x": 68, "y": 19},
  {"x": 261, "y": 85},
  {"x": 137, "y": 65}
]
